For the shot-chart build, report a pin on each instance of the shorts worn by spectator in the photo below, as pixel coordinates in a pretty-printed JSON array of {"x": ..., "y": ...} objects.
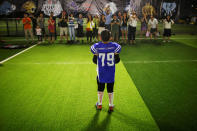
[{"x": 63, "y": 25}]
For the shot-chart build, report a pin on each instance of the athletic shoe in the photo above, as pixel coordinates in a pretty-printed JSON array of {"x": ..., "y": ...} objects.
[
  {"x": 111, "y": 109},
  {"x": 98, "y": 107}
]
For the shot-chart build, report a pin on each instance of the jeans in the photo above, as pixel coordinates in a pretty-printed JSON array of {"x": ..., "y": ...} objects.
[{"x": 71, "y": 32}]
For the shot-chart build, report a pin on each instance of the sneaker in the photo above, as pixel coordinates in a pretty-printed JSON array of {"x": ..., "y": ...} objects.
[
  {"x": 98, "y": 107},
  {"x": 164, "y": 41},
  {"x": 111, "y": 109}
]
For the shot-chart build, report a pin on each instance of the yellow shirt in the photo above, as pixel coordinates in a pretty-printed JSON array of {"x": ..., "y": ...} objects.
[{"x": 90, "y": 25}]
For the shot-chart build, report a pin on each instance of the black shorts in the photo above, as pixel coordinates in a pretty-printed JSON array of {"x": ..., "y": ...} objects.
[
  {"x": 167, "y": 32},
  {"x": 153, "y": 30},
  {"x": 43, "y": 31},
  {"x": 101, "y": 86}
]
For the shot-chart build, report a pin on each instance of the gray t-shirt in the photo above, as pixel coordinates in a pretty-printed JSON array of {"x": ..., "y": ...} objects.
[{"x": 115, "y": 26}]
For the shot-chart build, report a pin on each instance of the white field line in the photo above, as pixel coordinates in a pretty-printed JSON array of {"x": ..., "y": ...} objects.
[
  {"x": 159, "y": 61},
  {"x": 18, "y": 54},
  {"x": 88, "y": 63},
  {"x": 170, "y": 38},
  {"x": 53, "y": 63}
]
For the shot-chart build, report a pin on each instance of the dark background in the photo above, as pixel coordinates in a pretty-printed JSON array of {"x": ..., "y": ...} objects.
[{"x": 185, "y": 8}]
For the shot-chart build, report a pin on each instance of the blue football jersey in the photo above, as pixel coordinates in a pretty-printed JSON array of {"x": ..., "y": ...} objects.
[{"x": 106, "y": 60}]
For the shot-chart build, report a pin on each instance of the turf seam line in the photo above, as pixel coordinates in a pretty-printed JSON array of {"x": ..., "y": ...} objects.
[{"x": 9, "y": 58}]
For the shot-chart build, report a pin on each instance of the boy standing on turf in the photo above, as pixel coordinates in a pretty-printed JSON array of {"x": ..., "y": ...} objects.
[{"x": 106, "y": 55}]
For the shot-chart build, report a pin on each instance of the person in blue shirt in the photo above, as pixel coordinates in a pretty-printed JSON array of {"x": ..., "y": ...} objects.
[
  {"x": 80, "y": 28},
  {"x": 108, "y": 16},
  {"x": 71, "y": 28},
  {"x": 106, "y": 55}
]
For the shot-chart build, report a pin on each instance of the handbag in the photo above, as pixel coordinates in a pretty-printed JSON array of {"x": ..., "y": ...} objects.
[{"x": 147, "y": 34}]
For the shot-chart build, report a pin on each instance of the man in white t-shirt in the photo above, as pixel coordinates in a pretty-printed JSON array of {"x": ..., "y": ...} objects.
[{"x": 153, "y": 27}]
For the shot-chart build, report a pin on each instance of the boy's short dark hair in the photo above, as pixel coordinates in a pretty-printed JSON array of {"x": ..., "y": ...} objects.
[{"x": 105, "y": 35}]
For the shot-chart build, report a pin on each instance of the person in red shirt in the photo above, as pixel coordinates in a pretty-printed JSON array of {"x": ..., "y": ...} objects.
[
  {"x": 27, "y": 27},
  {"x": 51, "y": 28}
]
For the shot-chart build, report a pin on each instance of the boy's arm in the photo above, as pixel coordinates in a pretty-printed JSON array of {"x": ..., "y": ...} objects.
[
  {"x": 117, "y": 58},
  {"x": 95, "y": 59},
  {"x": 94, "y": 51},
  {"x": 116, "y": 53}
]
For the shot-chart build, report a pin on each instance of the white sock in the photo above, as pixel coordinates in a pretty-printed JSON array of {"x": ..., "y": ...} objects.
[
  {"x": 100, "y": 97},
  {"x": 111, "y": 98}
]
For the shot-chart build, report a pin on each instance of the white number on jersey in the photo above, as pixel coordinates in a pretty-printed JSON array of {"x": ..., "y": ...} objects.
[{"x": 110, "y": 59}]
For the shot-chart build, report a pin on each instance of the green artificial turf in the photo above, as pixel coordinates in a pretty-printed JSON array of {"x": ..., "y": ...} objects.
[
  {"x": 167, "y": 80},
  {"x": 5, "y": 53},
  {"x": 53, "y": 87}
]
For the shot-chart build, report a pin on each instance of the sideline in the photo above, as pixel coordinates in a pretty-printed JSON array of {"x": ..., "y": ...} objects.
[{"x": 9, "y": 58}]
